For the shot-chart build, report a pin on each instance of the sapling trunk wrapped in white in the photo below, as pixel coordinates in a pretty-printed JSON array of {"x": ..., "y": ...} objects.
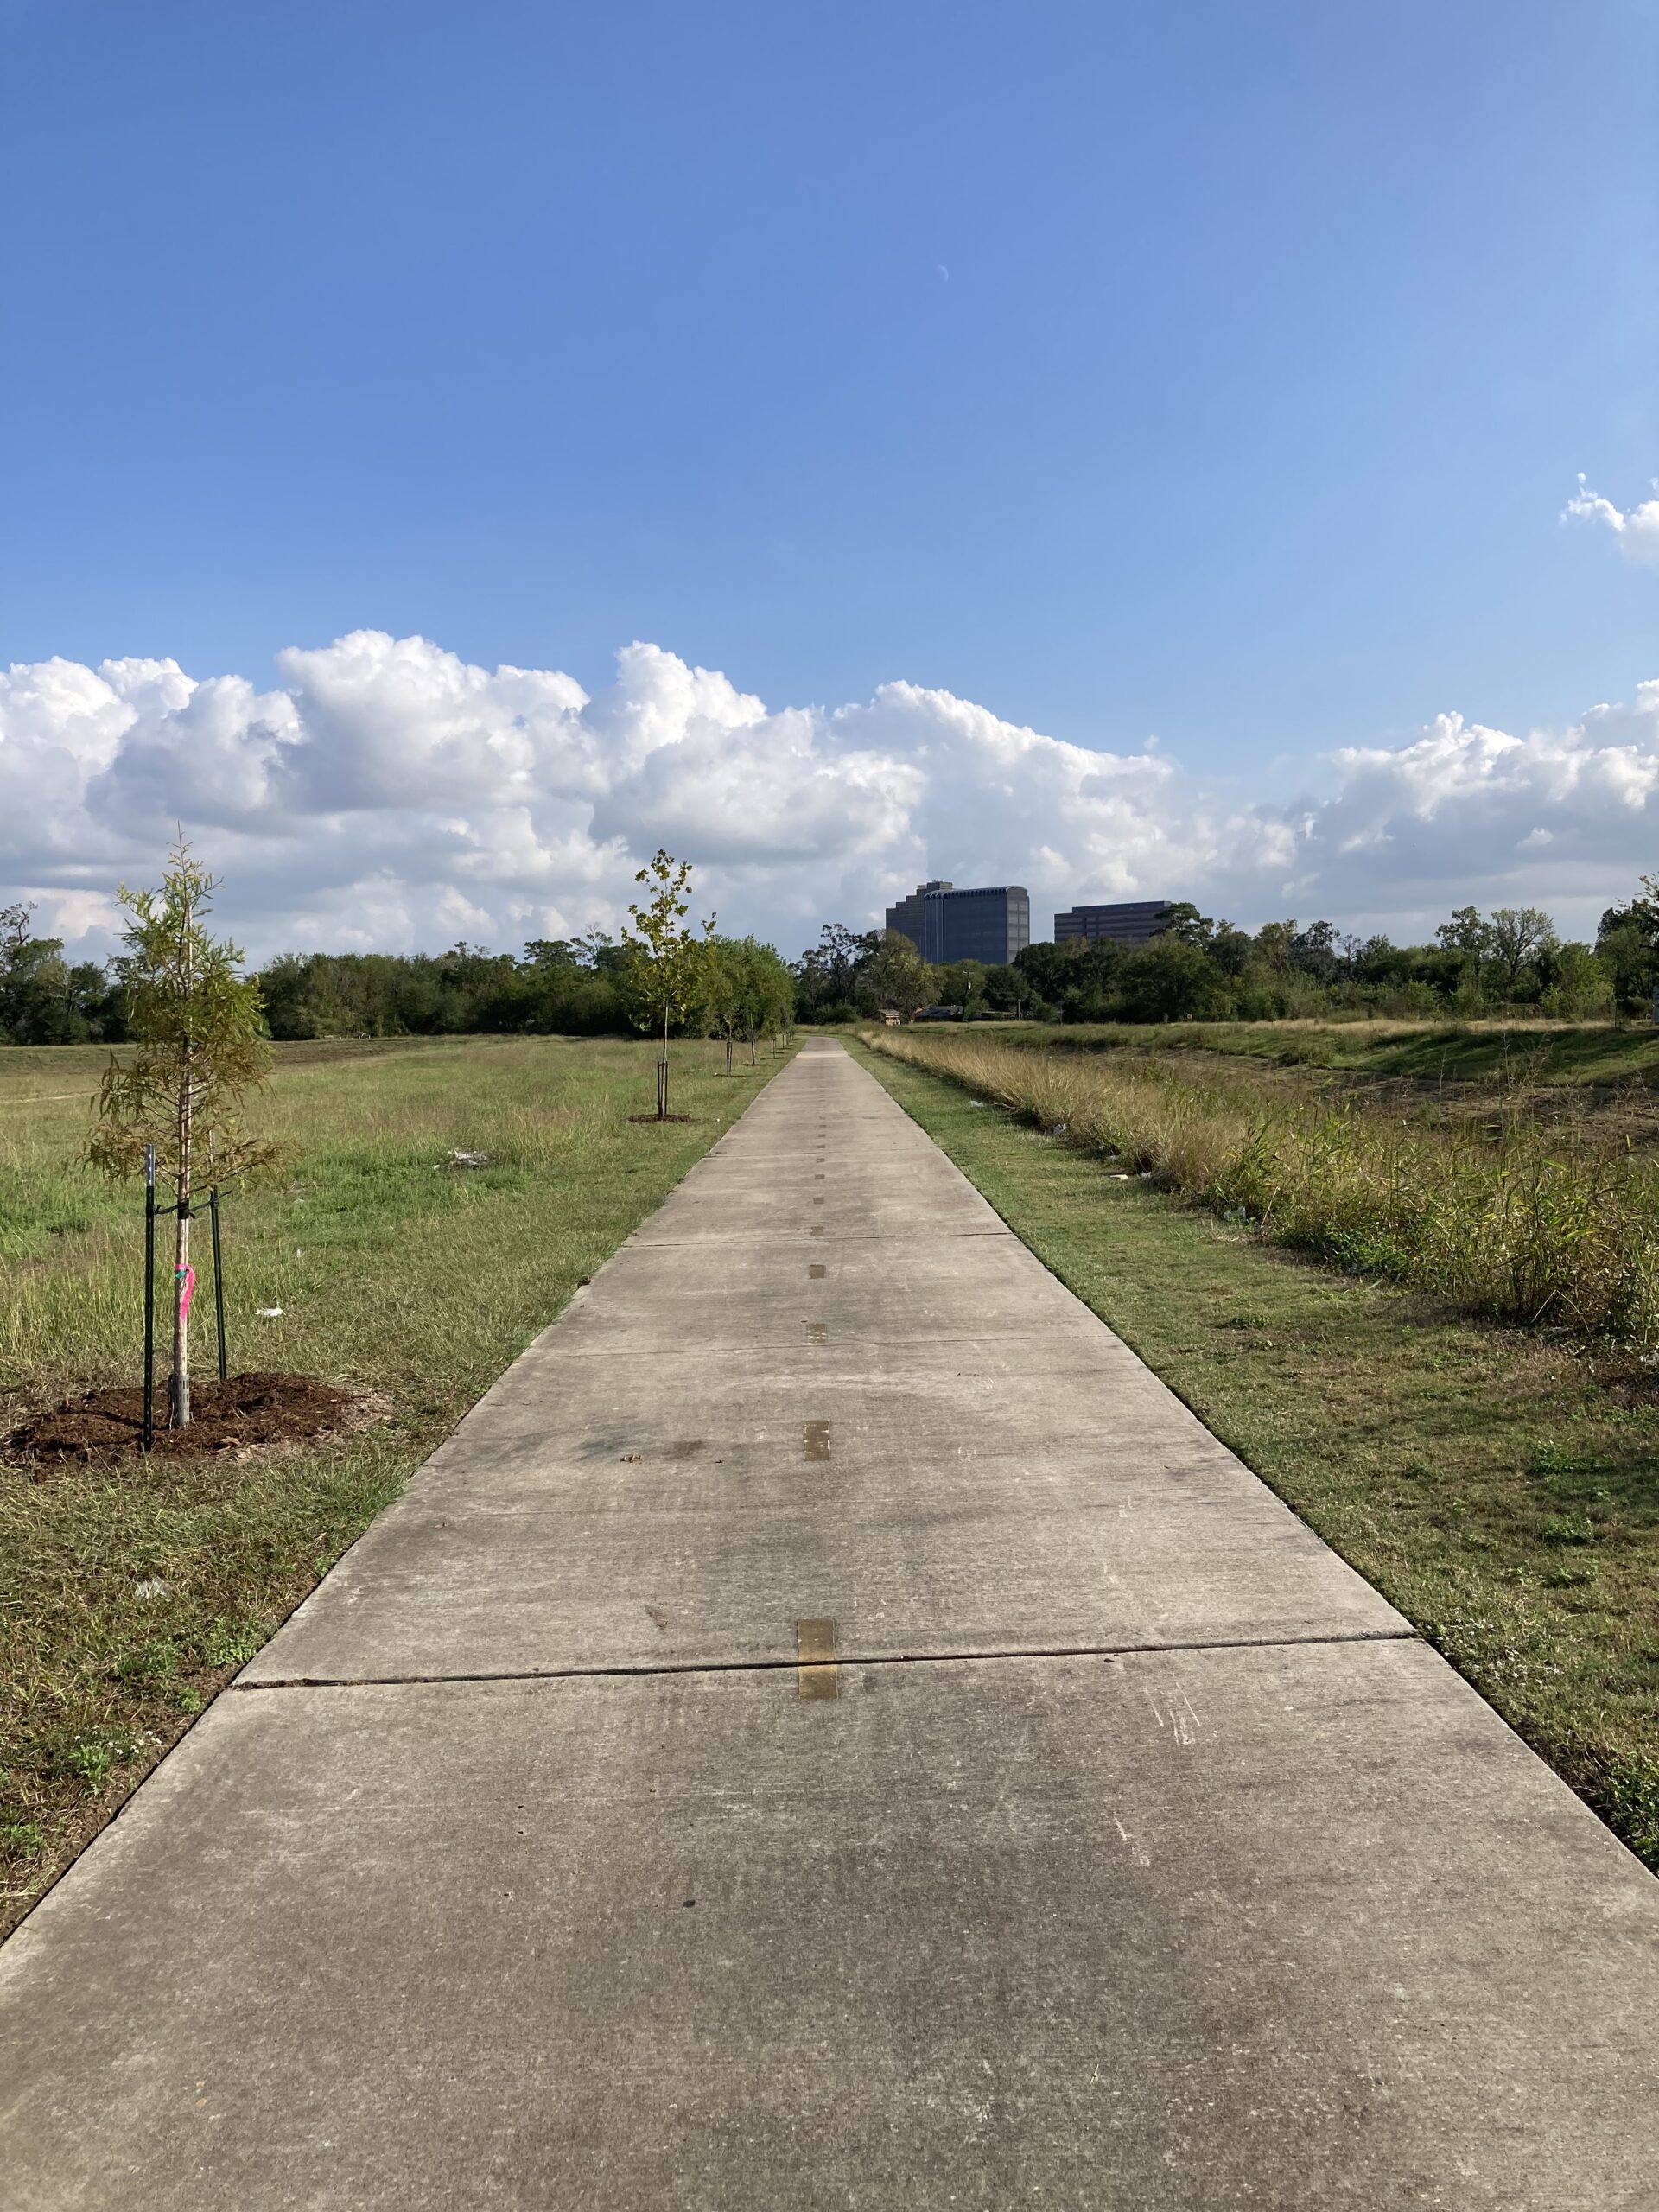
[{"x": 200, "y": 1029}]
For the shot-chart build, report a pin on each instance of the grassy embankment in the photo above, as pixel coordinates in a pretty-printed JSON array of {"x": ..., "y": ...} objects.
[
  {"x": 1507, "y": 1222},
  {"x": 1537, "y": 1052},
  {"x": 129, "y": 1593},
  {"x": 1500, "y": 1484}
]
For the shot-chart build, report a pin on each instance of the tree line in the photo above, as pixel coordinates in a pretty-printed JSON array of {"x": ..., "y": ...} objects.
[
  {"x": 571, "y": 987},
  {"x": 1198, "y": 970}
]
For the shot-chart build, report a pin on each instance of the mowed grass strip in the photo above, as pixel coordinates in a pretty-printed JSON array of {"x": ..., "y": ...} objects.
[
  {"x": 130, "y": 1591},
  {"x": 1485, "y": 1479}
]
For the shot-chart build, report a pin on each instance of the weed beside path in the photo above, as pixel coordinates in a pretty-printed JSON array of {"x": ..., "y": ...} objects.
[
  {"x": 440, "y": 1203},
  {"x": 1481, "y": 1478}
]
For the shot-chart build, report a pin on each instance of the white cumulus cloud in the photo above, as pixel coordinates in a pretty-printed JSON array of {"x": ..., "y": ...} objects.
[
  {"x": 1636, "y": 530},
  {"x": 387, "y": 794}
]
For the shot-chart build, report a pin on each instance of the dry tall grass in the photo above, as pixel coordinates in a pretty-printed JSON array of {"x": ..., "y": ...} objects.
[{"x": 1515, "y": 1231}]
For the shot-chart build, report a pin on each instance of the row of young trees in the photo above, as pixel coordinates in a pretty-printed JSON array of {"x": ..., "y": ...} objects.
[
  {"x": 1198, "y": 970},
  {"x": 170, "y": 1110}
]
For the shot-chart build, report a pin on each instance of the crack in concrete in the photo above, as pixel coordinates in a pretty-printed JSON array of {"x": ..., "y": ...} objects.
[{"x": 845, "y": 1658}]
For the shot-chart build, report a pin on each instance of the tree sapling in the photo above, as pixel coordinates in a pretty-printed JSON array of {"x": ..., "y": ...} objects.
[
  {"x": 200, "y": 1028},
  {"x": 668, "y": 964}
]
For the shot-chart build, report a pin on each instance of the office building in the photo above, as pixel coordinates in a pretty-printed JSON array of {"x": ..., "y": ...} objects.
[
  {"x": 1138, "y": 923},
  {"x": 945, "y": 924}
]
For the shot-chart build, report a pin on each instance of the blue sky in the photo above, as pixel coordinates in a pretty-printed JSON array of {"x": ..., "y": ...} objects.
[{"x": 1215, "y": 373}]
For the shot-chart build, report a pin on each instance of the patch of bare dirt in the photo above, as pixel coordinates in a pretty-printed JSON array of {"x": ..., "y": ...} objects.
[{"x": 245, "y": 1412}]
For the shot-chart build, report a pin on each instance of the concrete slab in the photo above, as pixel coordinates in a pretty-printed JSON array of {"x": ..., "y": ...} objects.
[
  {"x": 698, "y": 1556},
  {"x": 1294, "y": 1928},
  {"x": 1216, "y": 1888},
  {"x": 1000, "y": 1473}
]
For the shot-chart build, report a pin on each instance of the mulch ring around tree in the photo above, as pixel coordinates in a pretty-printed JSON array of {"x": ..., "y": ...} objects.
[
  {"x": 243, "y": 1415},
  {"x": 661, "y": 1117}
]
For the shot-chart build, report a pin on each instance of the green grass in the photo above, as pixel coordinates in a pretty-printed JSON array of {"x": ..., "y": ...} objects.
[
  {"x": 1500, "y": 1489},
  {"x": 129, "y": 1593}
]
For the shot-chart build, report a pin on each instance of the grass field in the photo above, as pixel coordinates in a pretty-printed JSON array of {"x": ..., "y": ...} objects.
[
  {"x": 1497, "y": 1485},
  {"x": 129, "y": 1593}
]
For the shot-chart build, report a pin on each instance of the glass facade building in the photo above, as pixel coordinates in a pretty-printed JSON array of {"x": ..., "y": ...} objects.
[
  {"x": 945, "y": 924},
  {"x": 1136, "y": 923}
]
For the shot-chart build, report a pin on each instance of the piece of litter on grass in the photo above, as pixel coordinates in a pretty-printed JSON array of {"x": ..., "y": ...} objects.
[
  {"x": 467, "y": 1159},
  {"x": 151, "y": 1586},
  {"x": 268, "y": 1312},
  {"x": 1123, "y": 1178},
  {"x": 1146, "y": 1175},
  {"x": 975, "y": 1102}
]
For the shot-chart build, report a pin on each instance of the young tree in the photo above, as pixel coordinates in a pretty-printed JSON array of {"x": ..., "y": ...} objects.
[
  {"x": 724, "y": 989},
  {"x": 769, "y": 991},
  {"x": 668, "y": 964},
  {"x": 749, "y": 990},
  {"x": 200, "y": 1027}
]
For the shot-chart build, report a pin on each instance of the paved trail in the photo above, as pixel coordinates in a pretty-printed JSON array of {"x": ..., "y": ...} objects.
[{"x": 1115, "y": 1846}]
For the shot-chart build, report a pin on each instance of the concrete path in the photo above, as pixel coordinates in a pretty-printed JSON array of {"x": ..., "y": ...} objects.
[{"x": 1115, "y": 1847}]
